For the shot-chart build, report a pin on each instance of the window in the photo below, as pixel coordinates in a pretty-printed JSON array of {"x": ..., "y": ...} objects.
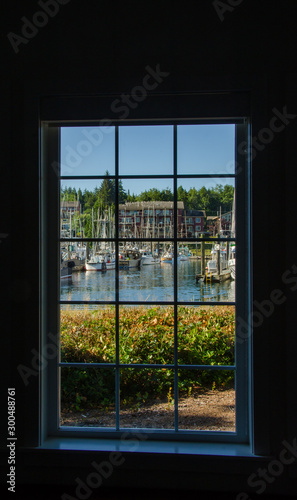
[
  {"x": 114, "y": 367},
  {"x": 198, "y": 219}
]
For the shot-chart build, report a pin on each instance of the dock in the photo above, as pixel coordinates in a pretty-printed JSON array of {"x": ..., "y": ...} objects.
[
  {"x": 218, "y": 275},
  {"x": 214, "y": 277}
]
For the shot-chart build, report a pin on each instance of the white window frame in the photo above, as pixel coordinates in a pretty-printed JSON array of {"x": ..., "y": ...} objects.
[{"x": 50, "y": 149}]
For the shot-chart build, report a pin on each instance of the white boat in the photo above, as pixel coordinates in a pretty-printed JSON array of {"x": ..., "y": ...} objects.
[
  {"x": 94, "y": 263},
  {"x": 232, "y": 262},
  {"x": 168, "y": 257},
  {"x": 148, "y": 258},
  {"x": 129, "y": 257},
  {"x": 185, "y": 254},
  {"x": 211, "y": 266},
  {"x": 101, "y": 262}
]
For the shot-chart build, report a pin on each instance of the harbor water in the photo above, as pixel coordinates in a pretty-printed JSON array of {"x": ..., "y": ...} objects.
[{"x": 149, "y": 283}]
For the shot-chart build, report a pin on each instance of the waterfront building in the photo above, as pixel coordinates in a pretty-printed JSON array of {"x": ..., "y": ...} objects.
[{"x": 155, "y": 219}]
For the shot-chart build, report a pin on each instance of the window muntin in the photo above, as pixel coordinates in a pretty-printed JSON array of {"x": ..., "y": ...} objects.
[{"x": 175, "y": 370}]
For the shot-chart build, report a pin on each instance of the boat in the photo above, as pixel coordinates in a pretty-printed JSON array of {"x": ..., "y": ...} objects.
[
  {"x": 168, "y": 257},
  {"x": 129, "y": 257},
  {"x": 217, "y": 269},
  {"x": 185, "y": 254},
  {"x": 148, "y": 258},
  {"x": 217, "y": 252},
  {"x": 66, "y": 269},
  {"x": 232, "y": 262},
  {"x": 75, "y": 253},
  {"x": 102, "y": 261}
]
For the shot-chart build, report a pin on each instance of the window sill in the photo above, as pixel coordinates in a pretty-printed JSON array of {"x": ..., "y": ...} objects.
[{"x": 160, "y": 447}]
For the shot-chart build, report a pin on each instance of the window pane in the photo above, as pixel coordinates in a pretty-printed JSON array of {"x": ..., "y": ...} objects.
[
  {"x": 87, "y": 150},
  {"x": 146, "y": 208},
  {"x": 206, "y": 208},
  {"x": 140, "y": 281},
  {"x": 87, "y": 397},
  {"x": 85, "y": 278},
  {"x": 146, "y": 150},
  {"x": 197, "y": 276},
  {"x": 146, "y": 398},
  {"x": 205, "y": 149},
  {"x": 87, "y": 208},
  {"x": 206, "y": 400},
  {"x": 206, "y": 335},
  {"x": 146, "y": 335},
  {"x": 87, "y": 334}
]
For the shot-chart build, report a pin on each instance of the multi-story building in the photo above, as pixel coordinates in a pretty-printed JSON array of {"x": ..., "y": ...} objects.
[
  {"x": 68, "y": 210},
  {"x": 69, "y": 207},
  {"x": 155, "y": 219}
]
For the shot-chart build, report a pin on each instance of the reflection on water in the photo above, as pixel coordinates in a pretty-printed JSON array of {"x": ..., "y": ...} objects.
[{"x": 149, "y": 283}]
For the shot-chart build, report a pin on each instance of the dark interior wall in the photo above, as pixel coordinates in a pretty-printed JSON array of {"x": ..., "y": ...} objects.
[
  {"x": 113, "y": 41},
  {"x": 93, "y": 47}
]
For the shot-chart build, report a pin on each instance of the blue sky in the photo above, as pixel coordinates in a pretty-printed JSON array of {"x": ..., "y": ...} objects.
[{"x": 148, "y": 150}]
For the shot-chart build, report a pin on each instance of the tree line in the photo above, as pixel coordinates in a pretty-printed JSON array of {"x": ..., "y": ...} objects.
[{"x": 212, "y": 199}]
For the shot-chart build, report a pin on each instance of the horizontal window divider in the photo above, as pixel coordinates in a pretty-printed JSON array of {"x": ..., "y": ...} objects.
[
  {"x": 152, "y": 176},
  {"x": 207, "y": 367},
  {"x": 208, "y": 240},
  {"x": 140, "y": 366},
  {"x": 153, "y": 240},
  {"x": 206, "y": 176},
  {"x": 206, "y": 303},
  {"x": 87, "y": 302},
  {"x": 86, "y": 177},
  {"x": 86, "y": 240},
  {"x": 154, "y": 434},
  {"x": 63, "y": 364},
  {"x": 146, "y": 303}
]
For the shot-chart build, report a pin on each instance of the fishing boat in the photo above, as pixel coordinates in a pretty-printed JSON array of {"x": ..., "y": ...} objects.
[
  {"x": 184, "y": 254},
  {"x": 168, "y": 258},
  {"x": 76, "y": 254},
  {"x": 212, "y": 265},
  {"x": 217, "y": 269},
  {"x": 148, "y": 258},
  {"x": 66, "y": 270},
  {"x": 129, "y": 257},
  {"x": 102, "y": 261}
]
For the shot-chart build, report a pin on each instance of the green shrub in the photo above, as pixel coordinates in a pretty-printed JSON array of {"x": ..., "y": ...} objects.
[{"x": 146, "y": 335}]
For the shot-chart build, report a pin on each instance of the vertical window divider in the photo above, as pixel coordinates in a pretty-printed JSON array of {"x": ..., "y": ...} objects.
[
  {"x": 175, "y": 277},
  {"x": 117, "y": 319}
]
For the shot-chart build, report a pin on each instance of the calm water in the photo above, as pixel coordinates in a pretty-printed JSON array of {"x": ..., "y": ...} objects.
[{"x": 149, "y": 283}]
